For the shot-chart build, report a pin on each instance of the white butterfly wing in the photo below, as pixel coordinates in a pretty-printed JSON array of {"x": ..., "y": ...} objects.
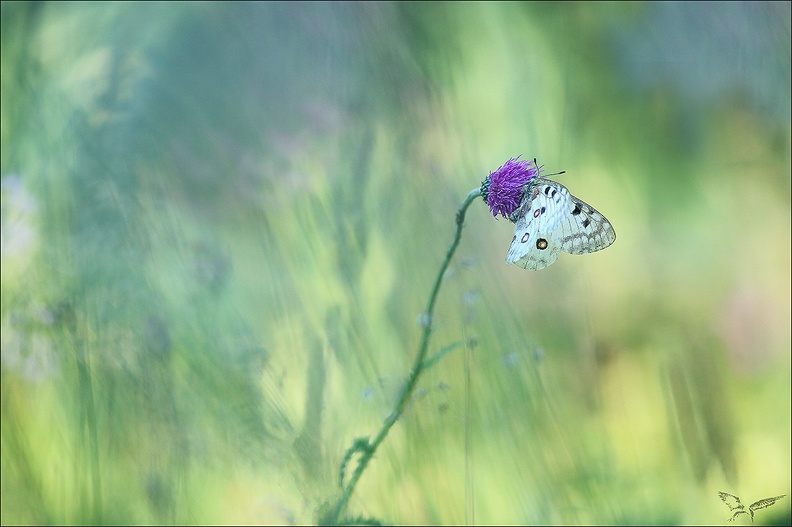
[
  {"x": 585, "y": 230},
  {"x": 550, "y": 220},
  {"x": 537, "y": 239}
]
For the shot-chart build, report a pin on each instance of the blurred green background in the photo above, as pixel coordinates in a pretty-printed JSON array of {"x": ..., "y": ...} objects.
[{"x": 221, "y": 224}]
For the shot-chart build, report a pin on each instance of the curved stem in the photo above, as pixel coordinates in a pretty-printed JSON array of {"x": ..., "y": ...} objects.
[{"x": 417, "y": 367}]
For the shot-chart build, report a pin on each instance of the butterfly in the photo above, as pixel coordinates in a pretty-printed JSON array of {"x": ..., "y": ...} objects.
[
  {"x": 550, "y": 220},
  {"x": 734, "y": 504}
]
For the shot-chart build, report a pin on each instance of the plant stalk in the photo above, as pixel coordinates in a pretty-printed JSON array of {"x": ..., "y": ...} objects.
[{"x": 417, "y": 367}]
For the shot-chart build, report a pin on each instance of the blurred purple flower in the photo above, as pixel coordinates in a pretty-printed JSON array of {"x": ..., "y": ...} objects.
[{"x": 503, "y": 189}]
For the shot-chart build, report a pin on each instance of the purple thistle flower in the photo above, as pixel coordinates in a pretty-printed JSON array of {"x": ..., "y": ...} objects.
[{"x": 503, "y": 189}]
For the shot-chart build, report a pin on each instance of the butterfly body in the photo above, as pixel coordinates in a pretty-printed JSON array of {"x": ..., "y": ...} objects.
[{"x": 550, "y": 220}]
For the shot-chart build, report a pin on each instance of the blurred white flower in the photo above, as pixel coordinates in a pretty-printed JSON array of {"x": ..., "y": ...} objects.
[
  {"x": 17, "y": 232},
  {"x": 31, "y": 355}
]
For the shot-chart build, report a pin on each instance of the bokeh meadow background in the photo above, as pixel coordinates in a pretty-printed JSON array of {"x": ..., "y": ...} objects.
[{"x": 221, "y": 223}]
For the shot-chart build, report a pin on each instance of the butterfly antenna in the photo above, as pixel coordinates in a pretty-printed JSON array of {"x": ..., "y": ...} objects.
[{"x": 540, "y": 167}]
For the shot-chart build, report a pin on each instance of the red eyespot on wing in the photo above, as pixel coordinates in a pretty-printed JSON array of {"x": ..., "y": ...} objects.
[{"x": 541, "y": 244}]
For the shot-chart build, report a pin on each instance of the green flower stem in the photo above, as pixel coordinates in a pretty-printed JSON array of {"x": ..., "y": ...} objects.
[{"x": 417, "y": 367}]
